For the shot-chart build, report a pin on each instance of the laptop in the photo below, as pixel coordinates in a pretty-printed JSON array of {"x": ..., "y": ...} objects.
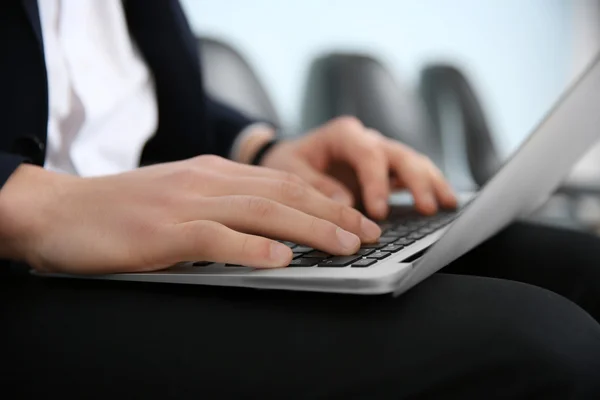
[{"x": 414, "y": 247}]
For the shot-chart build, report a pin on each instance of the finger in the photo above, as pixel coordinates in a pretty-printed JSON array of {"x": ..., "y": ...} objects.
[
  {"x": 443, "y": 191},
  {"x": 372, "y": 172},
  {"x": 327, "y": 185},
  {"x": 413, "y": 173},
  {"x": 363, "y": 151},
  {"x": 211, "y": 241},
  {"x": 264, "y": 217},
  {"x": 303, "y": 198}
]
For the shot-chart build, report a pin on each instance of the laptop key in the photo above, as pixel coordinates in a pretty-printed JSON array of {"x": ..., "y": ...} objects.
[
  {"x": 386, "y": 239},
  {"x": 398, "y": 232},
  {"x": 385, "y": 226},
  {"x": 379, "y": 255},
  {"x": 304, "y": 262},
  {"x": 296, "y": 255},
  {"x": 364, "y": 252},
  {"x": 365, "y": 262},
  {"x": 392, "y": 248},
  {"x": 373, "y": 245},
  {"x": 340, "y": 261},
  {"x": 317, "y": 254},
  {"x": 302, "y": 249},
  {"x": 404, "y": 241}
]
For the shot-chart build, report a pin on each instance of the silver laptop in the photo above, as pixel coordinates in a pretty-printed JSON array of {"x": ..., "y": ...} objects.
[{"x": 413, "y": 247}]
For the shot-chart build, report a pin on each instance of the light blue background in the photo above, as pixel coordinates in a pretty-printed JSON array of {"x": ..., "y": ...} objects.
[{"x": 517, "y": 52}]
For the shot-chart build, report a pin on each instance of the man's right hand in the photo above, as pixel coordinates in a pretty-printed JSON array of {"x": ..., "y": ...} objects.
[{"x": 205, "y": 208}]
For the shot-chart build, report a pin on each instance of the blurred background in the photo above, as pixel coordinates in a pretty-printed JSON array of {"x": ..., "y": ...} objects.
[{"x": 464, "y": 81}]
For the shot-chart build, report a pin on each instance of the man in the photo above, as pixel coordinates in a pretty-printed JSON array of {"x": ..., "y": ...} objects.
[{"x": 91, "y": 89}]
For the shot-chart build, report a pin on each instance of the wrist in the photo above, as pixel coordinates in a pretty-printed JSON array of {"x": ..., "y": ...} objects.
[
  {"x": 23, "y": 208},
  {"x": 253, "y": 142}
]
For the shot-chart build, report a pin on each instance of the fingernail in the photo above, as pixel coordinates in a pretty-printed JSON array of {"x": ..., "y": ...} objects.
[
  {"x": 280, "y": 253},
  {"x": 349, "y": 241},
  {"x": 341, "y": 197},
  {"x": 381, "y": 207},
  {"x": 370, "y": 229}
]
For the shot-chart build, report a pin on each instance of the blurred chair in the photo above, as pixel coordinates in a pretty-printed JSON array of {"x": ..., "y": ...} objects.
[
  {"x": 228, "y": 77},
  {"x": 445, "y": 86}
]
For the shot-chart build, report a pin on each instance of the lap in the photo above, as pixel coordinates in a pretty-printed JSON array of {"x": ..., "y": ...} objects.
[
  {"x": 452, "y": 335},
  {"x": 563, "y": 261}
]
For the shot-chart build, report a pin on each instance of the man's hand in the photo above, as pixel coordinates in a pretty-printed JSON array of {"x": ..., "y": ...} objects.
[
  {"x": 206, "y": 208},
  {"x": 348, "y": 162}
]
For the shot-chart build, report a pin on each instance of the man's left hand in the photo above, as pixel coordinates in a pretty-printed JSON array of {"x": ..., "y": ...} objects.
[{"x": 350, "y": 163}]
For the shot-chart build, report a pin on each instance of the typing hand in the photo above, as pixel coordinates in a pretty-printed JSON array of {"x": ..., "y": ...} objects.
[
  {"x": 347, "y": 161},
  {"x": 206, "y": 208}
]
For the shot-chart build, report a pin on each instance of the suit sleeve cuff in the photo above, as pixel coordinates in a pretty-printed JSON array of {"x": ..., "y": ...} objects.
[
  {"x": 8, "y": 164},
  {"x": 234, "y": 153}
]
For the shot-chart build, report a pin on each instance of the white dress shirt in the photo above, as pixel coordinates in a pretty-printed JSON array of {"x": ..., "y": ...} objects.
[{"x": 102, "y": 102}]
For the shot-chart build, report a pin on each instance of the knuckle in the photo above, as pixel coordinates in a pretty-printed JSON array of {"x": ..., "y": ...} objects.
[
  {"x": 369, "y": 146},
  {"x": 185, "y": 177},
  {"x": 348, "y": 123},
  {"x": 292, "y": 191},
  {"x": 427, "y": 162},
  {"x": 437, "y": 175},
  {"x": 437, "y": 172},
  {"x": 166, "y": 200},
  {"x": 374, "y": 134},
  {"x": 292, "y": 178},
  {"x": 259, "y": 206},
  {"x": 212, "y": 160},
  {"x": 416, "y": 163},
  {"x": 203, "y": 232},
  {"x": 371, "y": 152}
]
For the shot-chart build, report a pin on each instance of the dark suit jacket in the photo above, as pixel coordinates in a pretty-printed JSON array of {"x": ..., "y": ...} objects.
[{"x": 189, "y": 122}]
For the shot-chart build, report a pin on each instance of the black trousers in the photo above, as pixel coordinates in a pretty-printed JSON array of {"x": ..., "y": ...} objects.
[{"x": 515, "y": 318}]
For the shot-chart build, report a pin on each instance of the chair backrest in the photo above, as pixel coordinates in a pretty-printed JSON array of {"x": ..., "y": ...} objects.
[
  {"x": 360, "y": 85},
  {"x": 445, "y": 89},
  {"x": 228, "y": 77}
]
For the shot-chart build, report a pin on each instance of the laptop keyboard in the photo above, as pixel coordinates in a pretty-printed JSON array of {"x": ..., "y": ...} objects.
[{"x": 403, "y": 227}]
